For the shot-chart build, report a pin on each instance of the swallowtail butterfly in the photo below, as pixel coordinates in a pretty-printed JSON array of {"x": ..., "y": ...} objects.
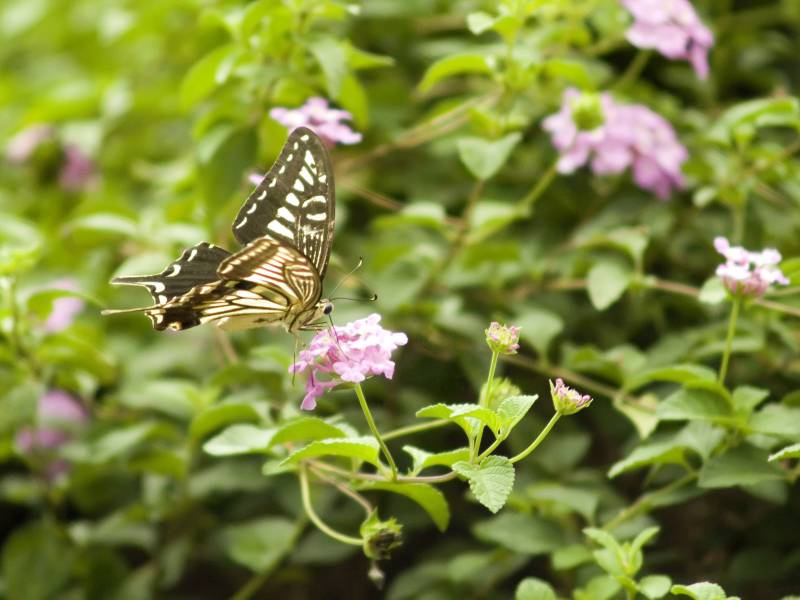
[{"x": 286, "y": 230}]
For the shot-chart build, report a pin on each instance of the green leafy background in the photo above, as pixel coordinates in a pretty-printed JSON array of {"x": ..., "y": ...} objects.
[{"x": 453, "y": 200}]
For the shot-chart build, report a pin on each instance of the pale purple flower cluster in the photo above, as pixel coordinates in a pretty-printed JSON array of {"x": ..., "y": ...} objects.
[
  {"x": 748, "y": 273},
  {"x": 57, "y": 416},
  {"x": 349, "y": 355},
  {"x": 567, "y": 400},
  {"x": 673, "y": 28},
  {"x": 318, "y": 116},
  {"x": 75, "y": 169},
  {"x": 64, "y": 309},
  {"x": 631, "y": 135},
  {"x": 503, "y": 339}
]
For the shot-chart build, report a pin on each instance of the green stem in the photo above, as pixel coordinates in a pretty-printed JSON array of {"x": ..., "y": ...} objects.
[
  {"x": 738, "y": 222},
  {"x": 726, "y": 355},
  {"x": 633, "y": 71},
  {"x": 321, "y": 525},
  {"x": 526, "y": 204},
  {"x": 371, "y": 422},
  {"x": 539, "y": 438},
  {"x": 475, "y": 447},
  {"x": 408, "y": 430}
]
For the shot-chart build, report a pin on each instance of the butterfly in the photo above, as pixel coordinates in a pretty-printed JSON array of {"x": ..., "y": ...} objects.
[{"x": 286, "y": 230}]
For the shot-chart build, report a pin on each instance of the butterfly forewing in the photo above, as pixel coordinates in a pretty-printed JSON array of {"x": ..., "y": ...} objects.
[{"x": 294, "y": 203}]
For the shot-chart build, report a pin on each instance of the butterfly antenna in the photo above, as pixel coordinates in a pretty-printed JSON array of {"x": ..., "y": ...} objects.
[{"x": 346, "y": 277}]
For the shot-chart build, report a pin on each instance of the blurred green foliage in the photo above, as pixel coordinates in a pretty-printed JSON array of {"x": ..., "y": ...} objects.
[{"x": 454, "y": 202}]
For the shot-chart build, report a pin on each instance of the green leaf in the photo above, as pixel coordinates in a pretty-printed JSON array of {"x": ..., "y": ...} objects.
[
  {"x": 218, "y": 416},
  {"x": 427, "y": 496},
  {"x": 239, "y": 439},
  {"x": 119, "y": 442},
  {"x": 491, "y": 482},
  {"x": 665, "y": 452},
  {"x": 513, "y": 409},
  {"x": 207, "y": 74},
  {"x": 778, "y": 420},
  {"x": 746, "y": 398},
  {"x": 332, "y": 59},
  {"x": 655, "y": 586},
  {"x": 37, "y": 562},
  {"x": 104, "y": 223},
  {"x": 484, "y": 158},
  {"x": 260, "y": 544},
  {"x": 713, "y": 292},
  {"x": 701, "y": 591},
  {"x": 694, "y": 404},
  {"x": 478, "y": 22},
  {"x": 520, "y": 533},
  {"x": 532, "y": 588},
  {"x": 606, "y": 283},
  {"x": 305, "y": 429},
  {"x": 743, "y": 465},
  {"x": 569, "y": 557},
  {"x": 457, "y": 64},
  {"x": 423, "y": 459},
  {"x": 792, "y": 451},
  {"x": 464, "y": 415},
  {"x": 601, "y": 587},
  {"x": 363, "y": 448},
  {"x": 680, "y": 373}
]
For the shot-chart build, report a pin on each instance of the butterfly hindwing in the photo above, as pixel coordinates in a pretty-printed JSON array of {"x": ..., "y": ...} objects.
[
  {"x": 196, "y": 265},
  {"x": 294, "y": 203}
]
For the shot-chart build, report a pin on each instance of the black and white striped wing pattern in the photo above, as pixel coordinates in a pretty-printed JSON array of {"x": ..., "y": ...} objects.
[{"x": 294, "y": 203}]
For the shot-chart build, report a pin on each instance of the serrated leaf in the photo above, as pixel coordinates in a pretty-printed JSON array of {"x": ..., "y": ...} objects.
[
  {"x": 449, "y": 66},
  {"x": 746, "y": 398},
  {"x": 743, "y": 465},
  {"x": 778, "y": 420},
  {"x": 513, "y": 409},
  {"x": 239, "y": 439},
  {"x": 427, "y": 496},
  {"x": 364, "y": 448},
  {"x": 423, "y": 459},
  {"x": 532, "y": 588},
  {"x": 701, "y": 591},
  {"x": 694, "y": 404},
  {"x": 491, "y": 482},
  {"x": 464, "y": 415},
  {"x": 484, "y": 158},
  {"x": 606, "y": 283}
]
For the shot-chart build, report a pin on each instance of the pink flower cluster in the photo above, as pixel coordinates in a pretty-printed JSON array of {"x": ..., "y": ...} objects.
[
  {"x": 503, "y": 339},
  {"x": 673, "y": 28},
  {"x": 75, "y": 168},
  {"x": 631, "y": 135},
  {"x": 349, "y": 354},
  {"x": 567, "y": 400},
  {"x": 65, "y": 309},
  {"x": 318, "y": 116},
  {"x": 57, "y": 415},
  {"x": 748, "y": 273}
]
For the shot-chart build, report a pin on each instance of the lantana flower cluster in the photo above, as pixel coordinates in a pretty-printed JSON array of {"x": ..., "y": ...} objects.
[
  {"x": 347, "y": 354},
  {"x": 503, "y": 339},
  {"x": 631, "y": 135},
  {"x": 323, "y": 120},
  {"x": 65, "y": 309},
  {"x": 567, "y": 400},
  {"x": 746, "y": 273},
  {"x": 673, "y": 28}
]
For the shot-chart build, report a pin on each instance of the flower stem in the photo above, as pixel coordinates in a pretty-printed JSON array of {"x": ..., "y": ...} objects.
[
  {"x": 726, "y": 355},
  {"x": 475, "y": 448},
  {"x": 321, "y": 525},
  {"x": 539, "y": 438},
  {"x": 371, "y": 422}
]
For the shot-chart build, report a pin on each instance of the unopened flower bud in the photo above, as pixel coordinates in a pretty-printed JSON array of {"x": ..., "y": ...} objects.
[
  {"x": 501, "y": 389},
  {"x": 567, "y": 400},
  {"x": 503, "y": 339},
  {"x": 587, "y": 112},
  {"x": 381, "y": 537}
]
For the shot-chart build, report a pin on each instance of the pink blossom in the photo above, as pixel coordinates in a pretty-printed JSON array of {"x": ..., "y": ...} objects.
[
  {"x": 76, "y": 171},
  {"x": 747, "y": 273},
  {"x": 631, "y": 135},
  {"x": 57, "y": 406},
  {"x": 567, "y": 400},
  {"x": 318, "y": 116},
  {"x": 349, "y": 354},
  {"x": 673, "y": 28},
  {"x": 64, "y": 309}
]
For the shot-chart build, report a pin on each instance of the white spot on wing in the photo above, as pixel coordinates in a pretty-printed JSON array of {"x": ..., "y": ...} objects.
[
  {"x": 157, "y": 286},
  {"x": 289, "y": 158},
  {"x": 298, "y": 185},
  {"x": 240, "y": 224},
  {"x": 292, "y": 199},
  {"x": 280, "y": 228},
  {"x": 162, "y": 299},
  {"x": 286, "y": 214},
  {"x": 316, "y": 216},
  {"x": 323, "y": 178},
  {"x": 315, "y": 199},
  {"x": 252, "y": 209},
  {"x": 262, "y": 195},
  {"x": 304, "y": 137},
  {"x": 310, "y": 159},
  {"x": 273, "y": 183},
  {"x": 281, "y": 170},
  {"x": 306, "y": 174},
  {"x": 192, "y": 254},
  {"x": 176, "y": 268}
]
